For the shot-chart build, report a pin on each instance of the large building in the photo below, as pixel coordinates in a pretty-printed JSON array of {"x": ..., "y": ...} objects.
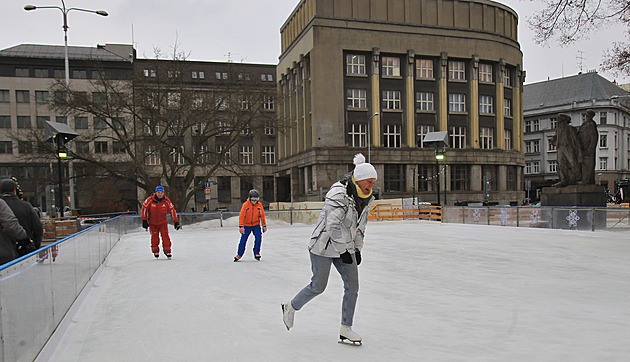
[
  {"x": 376, "y": 76},
  {"x": 573, "y": 96}
]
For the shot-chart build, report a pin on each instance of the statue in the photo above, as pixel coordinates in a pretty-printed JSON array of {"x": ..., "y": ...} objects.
[
  {"x": 588, "y": 136},
  {"x": 569, "y": 152}
]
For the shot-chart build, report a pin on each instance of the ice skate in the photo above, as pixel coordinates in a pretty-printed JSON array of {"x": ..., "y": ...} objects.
[
  {"x": 156, "y": 255},
  {"x": 287, "y": 314},
  {"x": 237, "y": 258},
  {"x": 348, "y": 336},
  {"x": 257, "y": 257},
  {"x": 168, "y": 255}
]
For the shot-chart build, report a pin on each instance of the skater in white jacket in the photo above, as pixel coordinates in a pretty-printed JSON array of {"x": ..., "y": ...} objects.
[{"x": 337, "y": 240}]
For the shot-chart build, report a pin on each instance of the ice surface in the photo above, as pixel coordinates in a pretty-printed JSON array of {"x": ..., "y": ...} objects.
[{"x": 429, "y": 292}]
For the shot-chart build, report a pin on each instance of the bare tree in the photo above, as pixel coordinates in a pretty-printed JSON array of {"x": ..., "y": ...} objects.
[
  {"x": 159, "y": 127},
  {"x": 569, "y": 20}
]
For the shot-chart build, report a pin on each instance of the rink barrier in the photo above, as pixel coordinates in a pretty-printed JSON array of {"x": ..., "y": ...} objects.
[
  {"x": 569, "y": 218},
  {"x": 38, "y": 289}
]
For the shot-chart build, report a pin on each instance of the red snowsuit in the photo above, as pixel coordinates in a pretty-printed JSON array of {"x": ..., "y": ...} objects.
[{"x": 154, "y": 212}]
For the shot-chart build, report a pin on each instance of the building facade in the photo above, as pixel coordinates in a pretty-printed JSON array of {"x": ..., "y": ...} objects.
[
  {"x": 573, "y": 96},
  {"x": 376, "y": 76}
]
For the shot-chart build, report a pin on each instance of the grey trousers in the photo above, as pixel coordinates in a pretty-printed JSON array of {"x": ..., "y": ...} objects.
[{"x": 320, "y": 265}]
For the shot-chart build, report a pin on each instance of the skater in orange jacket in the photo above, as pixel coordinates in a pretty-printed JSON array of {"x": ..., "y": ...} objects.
[
  {"x": 154, "y": 211},
  {"x": 252, "y": 215}
]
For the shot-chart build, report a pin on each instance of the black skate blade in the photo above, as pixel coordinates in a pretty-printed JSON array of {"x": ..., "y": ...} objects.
[
  {"x": 348, "y": 342},
  {"x": 282, "y": 306}
]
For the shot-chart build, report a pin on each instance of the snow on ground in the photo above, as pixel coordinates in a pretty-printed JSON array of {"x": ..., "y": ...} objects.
[{"x": 429, "y": 292}]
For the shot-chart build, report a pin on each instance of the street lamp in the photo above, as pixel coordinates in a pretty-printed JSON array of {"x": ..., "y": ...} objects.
[
  {"x": 439, "y": 140},
  {"x": 368, "y": 134},
  {"x": 65, "y": 12}
]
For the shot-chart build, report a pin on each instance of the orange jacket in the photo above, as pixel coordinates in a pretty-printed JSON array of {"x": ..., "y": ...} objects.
[{"x": 252, "y": 215}]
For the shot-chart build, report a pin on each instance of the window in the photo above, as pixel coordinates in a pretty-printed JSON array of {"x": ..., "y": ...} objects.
[
  {"x": 553, "y": 122},
  {"x": 21, "y": 72},
  {"x": 426, "y": 178},
  {"x": 486, "y": 137},
  {"x": 226, "y": 160},
  {"x": 80, "y": 122},
  {"x": 457, "y": 137},
  {"x": 603, "y": 163},
  {"x": 221, "y": 75},
  {"x": 118, "y": 147},
  {"x": 99, "y": 123},
  {"x": 456, "y": 102},
  {"x": 224, "y": 189},
  {"x": 173, "y": 73},
  {"x": 603, "y": 117},
  {"x": 424, "y": 101},
  {"x": 424, "y": 69},
  {"x": 485, "y": 73},
  {"x": 551, "y": 147},
  {"x": 357, "y": 135},
  {"x": 459, "y": 177},
  {"x": 532, "y": 146},
  {"x": 151, "y": 73},
  {"x": 41, "y": 121},
  {"x": 391, "y": 99},
  {"x": 357, "y": 98},
  {"x": 23, "y": 121},
  {"x": 532, "y": 125},
  {"x": 270, "y": 130},
  {"x": 456, "y": 70},
  {"x": 528, "y": 167},
  {"x": 198, "y": 74},
  {"x": 246, "y": 155},
  {"x": 173, "y": 99},
  {"x": 268, "y": 103},
  {"x": 99, "y": 98},
  {"x": 507, "y": 78},
  {"x": 394, "y": 178},
  {"x": 22, "y": 96},
  {"x": 507, "y": 107},
  {"x": 6, "y": 147},
  {"x": 486, "y": 105},
  {"x": 268, "y": 188},
  {"x": 355, "y": 64},
  {"x": 59, "y": 73},
  {"x": 268, "y": 155},
  {"x": 82, "y": 147},
  {"x": 41, "y": 73},
  {"x": 4, "y": 96},
  {"x": 79, "y": 74},
  {"x": 422, "y": 132},
  {"x": 5, "y": 121},
  {"x": 100, "y": 147},
  {"x": 553, "y": 166},
  {"x": 151, "y": 156},
  {"x": 391, "y": 66},
  {"x": 507, "y": 139},
  {"x": 25, "y": 147},
  {"x": 392, "y": 136},
  {"x": 603, "y": 141},
  {"x": 41, "y": 97},
  {"x": 177, "y": 155}
]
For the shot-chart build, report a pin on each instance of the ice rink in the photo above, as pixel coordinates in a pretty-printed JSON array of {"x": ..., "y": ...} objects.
[{"x": 429, "y": 292}]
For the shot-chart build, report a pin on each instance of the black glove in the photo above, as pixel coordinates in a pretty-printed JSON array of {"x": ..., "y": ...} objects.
[
  {"x": 145, "y": 224},
  {"x": 25, "y": 246},
  {"x": 177, "y": 225},
  {"x": 357, "y": 255},
  {"x": 346, "y": 257}
]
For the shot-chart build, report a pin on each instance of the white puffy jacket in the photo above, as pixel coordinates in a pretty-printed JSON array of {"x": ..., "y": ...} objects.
[{"x": 339, "y": 227}]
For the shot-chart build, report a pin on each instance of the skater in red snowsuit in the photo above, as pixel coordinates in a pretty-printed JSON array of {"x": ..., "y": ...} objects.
[{"x": 154, "y": 210}]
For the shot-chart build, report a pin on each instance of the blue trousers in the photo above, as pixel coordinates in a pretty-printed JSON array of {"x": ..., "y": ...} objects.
[
  {"x": 320, "y": 265},
  {"x": 257, "y": 230}
]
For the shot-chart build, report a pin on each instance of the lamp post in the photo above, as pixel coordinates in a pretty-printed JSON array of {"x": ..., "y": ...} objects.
[
  {"x": 65, "y": 12},
  {"x": 368, "y": 135},
  {"x": 439, "y": 155}
]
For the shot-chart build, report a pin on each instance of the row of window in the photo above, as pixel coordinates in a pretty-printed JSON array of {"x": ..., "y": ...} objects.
[
  {"x": 533, "y": 167},
  {"x": 57, "y": 73},
  {"x": 391, "y": 100},
  {"x": 533, "y": 146},
  {"x": 533, "y": 125},
  {"x": 200, "y": 74},
  {"x": 424, "y": 69},
  {"x": 24, "y": 96},
  {"x": 392, "y": 136},
  {"x": 245, "y": 155},
  {"x": 24, "y": 122}
]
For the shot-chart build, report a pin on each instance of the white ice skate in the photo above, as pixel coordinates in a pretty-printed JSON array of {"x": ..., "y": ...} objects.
[
  {"x": 287, "y": 314},
  {"x": 347, "y": 334}
]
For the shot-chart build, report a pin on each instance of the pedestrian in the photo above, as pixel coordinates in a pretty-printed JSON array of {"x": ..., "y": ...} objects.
[
  {"x": 26, "y": 215},
  {"x": 250, "y": 218},
  {"x": 337, "y": 240},
  {"x": 154, "y": 211},
  {"x": 10, "y": 230}
]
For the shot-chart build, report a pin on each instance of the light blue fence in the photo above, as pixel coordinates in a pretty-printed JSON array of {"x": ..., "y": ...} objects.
[{"x": 37, "y": 290}]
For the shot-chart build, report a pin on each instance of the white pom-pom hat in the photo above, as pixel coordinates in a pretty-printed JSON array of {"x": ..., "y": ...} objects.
[{"x": 362, "y": 169}]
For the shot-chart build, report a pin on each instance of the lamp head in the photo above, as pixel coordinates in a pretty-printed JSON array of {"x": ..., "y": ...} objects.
[
  {"x": 102, "y": 12},
  {"x": 30, "y": 7}
]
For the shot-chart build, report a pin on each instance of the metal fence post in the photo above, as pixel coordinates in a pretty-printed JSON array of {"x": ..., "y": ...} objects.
[{"x": 221, "y": 217}]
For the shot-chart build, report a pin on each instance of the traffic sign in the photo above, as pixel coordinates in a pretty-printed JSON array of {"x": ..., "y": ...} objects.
[{"x": 207, "y": 191}]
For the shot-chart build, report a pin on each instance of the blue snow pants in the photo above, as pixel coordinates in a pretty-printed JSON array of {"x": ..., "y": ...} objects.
[{"x": 257, "y": 230}]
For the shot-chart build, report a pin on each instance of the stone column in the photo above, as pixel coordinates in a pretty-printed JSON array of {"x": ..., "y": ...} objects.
[
  {"x": 499, "y": 106},
  {"x": 443, "y": 94},
  {"x": 375, "y": 126},
  {"x": 474, "y": 103},
  {"x": 410, "y": 114}
]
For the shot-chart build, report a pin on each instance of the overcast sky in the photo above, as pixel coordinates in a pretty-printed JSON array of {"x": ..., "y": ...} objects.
[{"x": 243, "y": 30}]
